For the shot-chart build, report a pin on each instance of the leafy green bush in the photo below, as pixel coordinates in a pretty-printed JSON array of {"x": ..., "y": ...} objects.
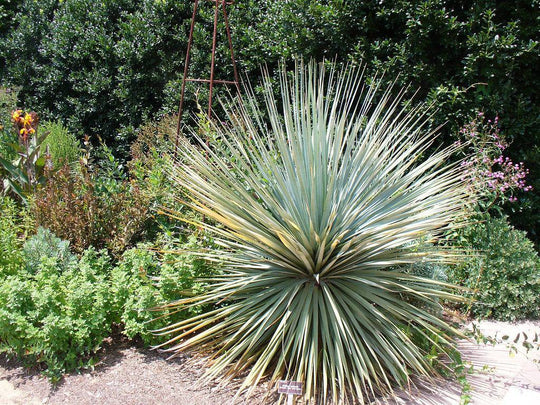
[
  {"x": 133, "y": 292},
  {"x": 56, "y": 309},
  {"x": 142, "y": 285},
  {"x": 14, "y": 225},
  {"x": 59, "y": 313},
  {"x": 503, "y": 271},
  {"x": 62, "y": 145}
]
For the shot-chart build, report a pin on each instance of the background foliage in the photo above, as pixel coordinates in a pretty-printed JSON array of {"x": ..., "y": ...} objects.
[
  {"x": 105, "y": 67},
  {"x": 503, "y": 271}
]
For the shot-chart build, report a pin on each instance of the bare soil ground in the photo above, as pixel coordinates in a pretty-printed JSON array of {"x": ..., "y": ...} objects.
[
  {"x": 131, "y": 375},
  {"x": 126, "y": 375}
]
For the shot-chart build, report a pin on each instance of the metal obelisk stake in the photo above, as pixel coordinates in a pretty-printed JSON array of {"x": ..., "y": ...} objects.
[{"x": 219, "y": 6}]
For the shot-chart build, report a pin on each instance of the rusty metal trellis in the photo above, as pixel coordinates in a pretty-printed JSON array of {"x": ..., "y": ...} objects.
[{"x": 219, "y": 5}]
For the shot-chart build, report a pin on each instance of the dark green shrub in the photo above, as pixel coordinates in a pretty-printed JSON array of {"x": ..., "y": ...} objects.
[
  {"x": 106, "y": 67},
  {"x": 58, "y": 314},
  {"x": 19, "y": 48},
  {"x": 100, "y": 67},
  {"x": 503, "y": 271},
  {"x": 8, "y": 8}
]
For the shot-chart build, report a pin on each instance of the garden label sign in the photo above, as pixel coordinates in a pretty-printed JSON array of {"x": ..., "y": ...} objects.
[{"x": 290, "y": 388}]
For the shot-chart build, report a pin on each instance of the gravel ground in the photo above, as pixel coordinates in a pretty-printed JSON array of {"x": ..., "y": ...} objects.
[{"x": 129, "y": 375}]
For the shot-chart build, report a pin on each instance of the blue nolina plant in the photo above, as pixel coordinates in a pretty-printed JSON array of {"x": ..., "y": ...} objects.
[{"x": 315, "y": 214}]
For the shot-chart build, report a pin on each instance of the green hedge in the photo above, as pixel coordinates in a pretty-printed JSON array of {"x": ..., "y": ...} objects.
[
  {"x": 99, "y": 67},
  {"x": 105, "y": 67}
]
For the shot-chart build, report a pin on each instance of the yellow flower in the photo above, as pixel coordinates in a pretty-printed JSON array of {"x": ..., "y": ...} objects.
[
  {"x": 16, "y": 115},
  {"x": 27, "y": 121}
]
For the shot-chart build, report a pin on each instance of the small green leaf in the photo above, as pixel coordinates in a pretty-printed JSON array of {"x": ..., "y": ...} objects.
[
  {"x": 40, "y": 162},
  {"x": 528, "y": 345}
]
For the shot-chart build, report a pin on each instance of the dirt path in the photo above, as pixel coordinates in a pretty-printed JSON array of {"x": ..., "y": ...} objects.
[
  {"x": 133, "y": 376},
  {"x": 126, "y": 375}
]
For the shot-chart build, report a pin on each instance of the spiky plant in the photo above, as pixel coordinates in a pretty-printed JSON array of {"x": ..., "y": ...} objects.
[{"x": 317, "y": 212}]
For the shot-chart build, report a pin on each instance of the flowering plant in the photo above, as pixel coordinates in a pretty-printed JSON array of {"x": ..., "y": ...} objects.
[
  {"x": 23, "y": 174},
  {"x": 25, "y": 123},
  {"x": 493, "y": 177}
]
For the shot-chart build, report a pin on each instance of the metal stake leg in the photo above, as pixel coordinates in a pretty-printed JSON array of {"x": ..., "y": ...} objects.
[{"x": 212, "y": 81}]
